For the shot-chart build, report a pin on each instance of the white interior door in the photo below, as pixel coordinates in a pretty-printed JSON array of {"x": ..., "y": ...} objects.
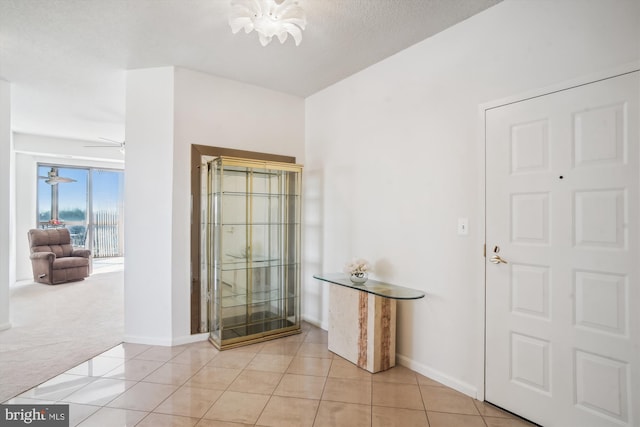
[{"x": 562, "y": 315}]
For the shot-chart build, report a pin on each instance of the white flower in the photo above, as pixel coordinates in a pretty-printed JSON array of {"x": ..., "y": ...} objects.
[{"x": 357, "y": 265}]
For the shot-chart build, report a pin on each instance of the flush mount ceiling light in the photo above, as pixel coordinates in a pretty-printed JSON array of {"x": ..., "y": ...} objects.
[{"x": 269, "y": 18}]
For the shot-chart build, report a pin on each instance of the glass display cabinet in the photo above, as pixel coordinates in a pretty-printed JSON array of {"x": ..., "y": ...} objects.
[{"x": 251, "y": 250}]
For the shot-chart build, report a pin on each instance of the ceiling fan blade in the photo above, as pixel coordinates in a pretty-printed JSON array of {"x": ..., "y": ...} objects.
[
  {"x": 112, "y": 141},
  {"x": 65, "y": 179},
  {"x": 57, "y": 180},
  {"x": 53, "y": 178},
  {"x": 116, "y": 144}
]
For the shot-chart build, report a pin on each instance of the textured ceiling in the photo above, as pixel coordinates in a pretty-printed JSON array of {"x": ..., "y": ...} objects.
[{"x": 67, "y": 58}]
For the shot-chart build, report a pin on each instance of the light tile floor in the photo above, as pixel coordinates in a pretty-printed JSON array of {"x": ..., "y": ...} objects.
[{"x": 293, "y": 381}]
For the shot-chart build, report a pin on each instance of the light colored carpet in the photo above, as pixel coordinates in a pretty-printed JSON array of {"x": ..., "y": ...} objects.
[{"x": 57, "y": 327}]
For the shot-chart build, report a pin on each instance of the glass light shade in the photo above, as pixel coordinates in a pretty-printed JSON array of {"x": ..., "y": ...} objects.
[{"x": 268, "y": 18}]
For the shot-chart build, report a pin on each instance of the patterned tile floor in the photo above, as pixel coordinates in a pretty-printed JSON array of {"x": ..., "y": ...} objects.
[{"x": 293, "y": 381}]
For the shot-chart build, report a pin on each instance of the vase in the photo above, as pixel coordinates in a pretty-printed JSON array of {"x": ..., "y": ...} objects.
[{"x": 358, "y": 278}]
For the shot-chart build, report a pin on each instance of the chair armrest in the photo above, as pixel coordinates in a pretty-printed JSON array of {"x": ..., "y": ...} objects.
[
  {"x": 49, "y": 256},
  {"x": 84, "y": 253}
]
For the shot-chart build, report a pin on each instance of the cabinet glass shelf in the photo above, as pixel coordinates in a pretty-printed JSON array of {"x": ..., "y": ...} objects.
[
  {"x": 238, "y": 197},
  {"x": 234, "y": 266},
  {"x": 240, "y": 299}
]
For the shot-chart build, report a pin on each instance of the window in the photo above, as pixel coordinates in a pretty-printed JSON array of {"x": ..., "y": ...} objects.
[{"x": 87, "y": 201}]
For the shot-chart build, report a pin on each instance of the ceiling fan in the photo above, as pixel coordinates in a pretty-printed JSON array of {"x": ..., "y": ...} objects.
[
  {"x": 52, "y": 177},
  {"x": 112, "y": 144}
]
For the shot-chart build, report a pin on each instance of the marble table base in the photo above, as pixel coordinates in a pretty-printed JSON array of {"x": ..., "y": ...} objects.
[{"x": 362, "y": 328}]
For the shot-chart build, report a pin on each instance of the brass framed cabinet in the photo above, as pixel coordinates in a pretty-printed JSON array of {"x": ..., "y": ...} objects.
[{"x": 251, "y": 250}]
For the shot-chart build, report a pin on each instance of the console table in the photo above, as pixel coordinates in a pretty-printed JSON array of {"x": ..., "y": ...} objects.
[{"x": 362, "y": 320}]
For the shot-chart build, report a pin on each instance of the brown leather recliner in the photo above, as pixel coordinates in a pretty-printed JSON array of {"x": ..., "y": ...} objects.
[{"x": 53, "y": 258}]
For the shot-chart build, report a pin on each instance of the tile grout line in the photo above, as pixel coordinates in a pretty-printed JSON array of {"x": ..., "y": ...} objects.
[
  {"x": 326, "y": 379},
  {"x": 424, "y": 405},
  {"x": 281, "y": 378}
]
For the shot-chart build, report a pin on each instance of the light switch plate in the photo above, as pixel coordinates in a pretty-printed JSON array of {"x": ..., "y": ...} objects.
[{"x": 463, "y": 226}]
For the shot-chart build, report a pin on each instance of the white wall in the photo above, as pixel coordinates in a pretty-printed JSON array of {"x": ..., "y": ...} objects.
[
  {"x": 168, "y": 110},
  {"x": 31, "y": 150},
  {"x": 148, "y": 199},
  {"x": 7, "y": 212},
  {"x": 224, "y": 113},
  {"x": 394, "y": 159}
]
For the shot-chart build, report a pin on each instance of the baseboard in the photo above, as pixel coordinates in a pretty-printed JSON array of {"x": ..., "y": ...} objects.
[
  {"x": 438, "y": 376},
  {"x": 4, "y": 326},
  {"x": 188, "y": 339},
  {"x": 427, "y": 371},
  {"x": 166, "y": 342},
  {"x": 316, "y": 322}
]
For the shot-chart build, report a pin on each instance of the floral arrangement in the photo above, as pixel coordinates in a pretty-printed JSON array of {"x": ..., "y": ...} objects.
[
  {"x": 357, "y": 266},
  {"x": 55, "y": 222}
]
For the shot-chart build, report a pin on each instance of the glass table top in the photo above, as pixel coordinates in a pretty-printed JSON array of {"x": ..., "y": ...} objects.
[{"x": 374, "y": 287}]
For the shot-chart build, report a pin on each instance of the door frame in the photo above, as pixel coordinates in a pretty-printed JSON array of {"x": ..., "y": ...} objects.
[{"x": 628, "y": 68}]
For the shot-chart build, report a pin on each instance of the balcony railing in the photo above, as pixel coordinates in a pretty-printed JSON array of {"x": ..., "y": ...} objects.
[{"x": 107, "y": 234}]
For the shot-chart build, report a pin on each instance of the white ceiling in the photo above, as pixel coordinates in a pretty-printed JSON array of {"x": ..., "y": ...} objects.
[{"x": 67, "y": 58}]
